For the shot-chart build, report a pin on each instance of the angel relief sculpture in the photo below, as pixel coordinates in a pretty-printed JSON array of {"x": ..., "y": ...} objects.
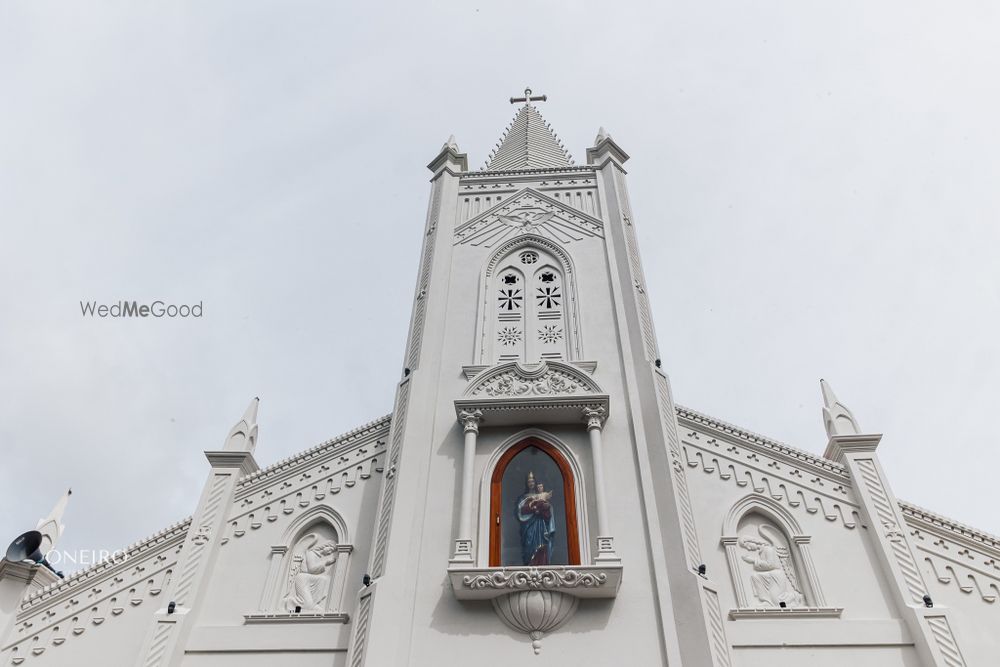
[
  {"x": 309, "y": 576},
  {"x": 773, "y": 579}
]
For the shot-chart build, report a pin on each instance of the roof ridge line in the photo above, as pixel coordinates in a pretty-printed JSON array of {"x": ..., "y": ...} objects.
[
  {"x": 951, "y": 524},
  {"x": 819, "y": 461},
  {"x": 86, "y": 572},
  {"x": 308, "y": 453}
]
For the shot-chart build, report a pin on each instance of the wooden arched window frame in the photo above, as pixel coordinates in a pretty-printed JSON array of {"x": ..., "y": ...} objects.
[{"x": 569, "y": 495}]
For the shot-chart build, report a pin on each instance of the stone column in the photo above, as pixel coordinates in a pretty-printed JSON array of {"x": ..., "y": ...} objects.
[
  {"x": 463, "y": 544},
  {"x": 274, "y": 579},
  {"x": 340, "y": 577},
  {"x": 605, "y": 542}
]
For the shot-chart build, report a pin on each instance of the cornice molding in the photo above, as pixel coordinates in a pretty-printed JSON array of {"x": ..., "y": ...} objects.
[
  {"x": 790, "y": 454},
  {"x": 797, "y": 612},
  {"x": 333, "y": 446},
  {"x": 584, "y": 581},
  {"x": 967, "y": 536},
  {"x": 607, "y": 146},
  {"x": 244, "y": 461},
  {"x": 171, "y": 536},
  {"x": 855, "y": 443},
  {"x": 35, "y": 575},
  {"x": 528, "y": 172},
  {"x": 449, "y": 156},
  {"x": 253, "y": 619}
]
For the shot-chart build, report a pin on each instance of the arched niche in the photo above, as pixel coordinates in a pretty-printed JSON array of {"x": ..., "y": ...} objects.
[
  {"x": 768, "y": 557},
  {"x": 536, "y": 522},
  {"x": 307, "y": 569}
]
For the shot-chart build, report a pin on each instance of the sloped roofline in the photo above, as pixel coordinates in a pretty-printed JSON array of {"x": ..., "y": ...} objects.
[
  {"x": 180, "y": 528},
  {"x": 800, "y": 455},
  {"x": 322, "y": 448},
  {"x": 927, "y": 518},
  {"x": 174, "y": 530},
  {"x": 932, "y": 520}
]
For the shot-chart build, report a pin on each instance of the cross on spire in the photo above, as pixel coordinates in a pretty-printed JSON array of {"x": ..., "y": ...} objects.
[{"x": 528, "y": 98}]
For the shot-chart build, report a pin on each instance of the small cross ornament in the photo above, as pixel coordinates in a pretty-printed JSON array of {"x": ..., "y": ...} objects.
[{"x": 528, "y": 98}]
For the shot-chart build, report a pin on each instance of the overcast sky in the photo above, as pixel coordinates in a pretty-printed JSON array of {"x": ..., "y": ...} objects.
[{"x": 814, "y": 186}]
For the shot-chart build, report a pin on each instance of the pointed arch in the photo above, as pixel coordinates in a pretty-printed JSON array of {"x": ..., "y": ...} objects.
[
  {"x": 559, "y": 334},
  {"x": 313, "y": 515},
  {"x": 765, "y": 505}
]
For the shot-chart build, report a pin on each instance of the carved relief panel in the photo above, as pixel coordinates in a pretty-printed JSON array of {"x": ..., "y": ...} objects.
[
  {"x": 769, "y": 567},
  {"x": 769, "y": 559},
  {"x": 309, "y": 580},
  {"x": 306, "y": 573}
]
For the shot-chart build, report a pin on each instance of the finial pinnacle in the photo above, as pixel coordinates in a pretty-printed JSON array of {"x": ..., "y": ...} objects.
[
  {"x": 51, "y": 527},
  {"x": 837, "y": 418},
  {"x": 243, "y": 436}
]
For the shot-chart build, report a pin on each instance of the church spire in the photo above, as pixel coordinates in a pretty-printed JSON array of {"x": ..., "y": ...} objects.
[{"x": 529, "y": 142}]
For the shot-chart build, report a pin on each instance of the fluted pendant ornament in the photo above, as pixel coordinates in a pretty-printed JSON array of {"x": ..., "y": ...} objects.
[{"x": 535, "y": 613}]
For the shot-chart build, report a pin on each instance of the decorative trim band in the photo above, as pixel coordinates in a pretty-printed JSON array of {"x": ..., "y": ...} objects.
[{"x": 588, "y": 581}]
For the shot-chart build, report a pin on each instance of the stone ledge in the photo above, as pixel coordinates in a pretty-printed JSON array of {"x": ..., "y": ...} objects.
[
  {"x": 778, "y": 612},
  {"x": 582, "y": 581},
  {"x": 303, "y": 617}
]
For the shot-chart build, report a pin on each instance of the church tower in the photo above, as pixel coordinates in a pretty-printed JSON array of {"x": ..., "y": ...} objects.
[{"x": 534, "y": 498}]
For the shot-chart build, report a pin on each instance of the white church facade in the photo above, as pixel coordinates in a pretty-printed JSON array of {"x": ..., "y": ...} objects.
[{"x": 535, "y": 496}]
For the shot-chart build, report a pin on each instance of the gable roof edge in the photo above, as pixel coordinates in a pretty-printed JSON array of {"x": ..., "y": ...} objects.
[
  {"x": 799, "y": 455},
  {"x": 312, "y": 452}
]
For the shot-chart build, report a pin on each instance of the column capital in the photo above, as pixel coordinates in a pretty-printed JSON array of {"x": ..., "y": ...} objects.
[
  {"x": 595, "y": 417},
  {"x": 470, "y": 420}
]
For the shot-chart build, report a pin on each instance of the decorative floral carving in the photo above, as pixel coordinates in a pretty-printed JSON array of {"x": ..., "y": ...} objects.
[
  {"x": 509, "y": 336},
  {"x": 536, "y": 579},
  {"x": 203, "y": 535},
  {"x": 550, "y": 334},
  {"x": 892, "y": 531},
  {"x": 511, "y": 384}
]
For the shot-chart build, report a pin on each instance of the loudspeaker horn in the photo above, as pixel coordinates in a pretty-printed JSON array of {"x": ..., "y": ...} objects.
[{"x": 28, "y": 546}]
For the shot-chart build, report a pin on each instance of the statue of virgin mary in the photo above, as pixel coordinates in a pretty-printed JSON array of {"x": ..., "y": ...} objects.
[{"x": 538, "y": 526}]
